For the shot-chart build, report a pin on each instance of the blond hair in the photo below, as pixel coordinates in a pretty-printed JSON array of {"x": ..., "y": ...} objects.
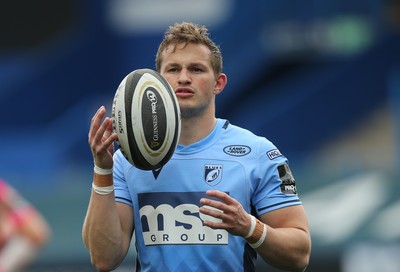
[{"x": 186, "y": 33}]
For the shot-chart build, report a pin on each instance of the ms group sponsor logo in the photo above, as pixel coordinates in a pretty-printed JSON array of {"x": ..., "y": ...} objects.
[{"x": 173, "y": 218}]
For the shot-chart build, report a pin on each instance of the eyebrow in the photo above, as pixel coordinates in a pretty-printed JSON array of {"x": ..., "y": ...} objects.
[{"x": 174, "y": 64}]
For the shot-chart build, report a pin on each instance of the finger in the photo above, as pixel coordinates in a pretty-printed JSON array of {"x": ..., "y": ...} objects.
[
  {"x": 100, "y": 133},
  {"x": 218, "y": 210},
  {"x": 221, "y": 195},
  {"x": 110, "y": 140},
  {"x": 213, "y": 203},
  {"x": 98, "y": 115},
  {"x": 104, "y": 137},
  {"x": 215, "y": 225},
  {"x": 224, "y": 198},
  {"x": 96, "y": 121},
  {"x": 212, "y": 218},
  {"x": 109, "y": 129},
  {"x": 212, "y": 211}
]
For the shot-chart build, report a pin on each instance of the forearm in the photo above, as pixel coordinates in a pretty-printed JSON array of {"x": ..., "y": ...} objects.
[
  {"x": 281, "y": 237},
  {"x": 286, "y": 248},
  {"x": 102, "y": 233}
]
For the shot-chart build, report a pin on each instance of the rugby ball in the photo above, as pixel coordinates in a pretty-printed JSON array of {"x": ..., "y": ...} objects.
[{"x": 146, "y": 118}]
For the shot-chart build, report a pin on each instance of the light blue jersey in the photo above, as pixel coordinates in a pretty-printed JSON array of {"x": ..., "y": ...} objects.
[{"x": 170, "y": 235}]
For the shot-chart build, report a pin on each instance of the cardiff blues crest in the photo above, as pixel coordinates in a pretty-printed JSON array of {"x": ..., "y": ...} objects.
[{"x": 212, "y": 174}]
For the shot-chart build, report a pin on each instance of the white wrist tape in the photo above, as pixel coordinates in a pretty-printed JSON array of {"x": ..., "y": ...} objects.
[
  {"x": 252, "y": 227},
  {"x": 262, "y": 238},
  {"x": 103, "y": 190},
  {"x": 102, "y": 171}
]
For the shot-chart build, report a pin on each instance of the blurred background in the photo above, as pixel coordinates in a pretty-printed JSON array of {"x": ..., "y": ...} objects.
[{"x": 320, "y": 79}]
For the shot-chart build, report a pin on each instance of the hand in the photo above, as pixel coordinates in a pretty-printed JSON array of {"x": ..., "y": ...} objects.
[
  {"x": 233, "y": 217},
  {"x": 101, "y": 139}
]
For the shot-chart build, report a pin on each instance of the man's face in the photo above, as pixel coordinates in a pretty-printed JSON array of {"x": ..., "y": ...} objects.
[{"x": 188, "y": 69}]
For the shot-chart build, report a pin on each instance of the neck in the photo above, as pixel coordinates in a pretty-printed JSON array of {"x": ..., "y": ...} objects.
[{"x": 195, "y": 129}]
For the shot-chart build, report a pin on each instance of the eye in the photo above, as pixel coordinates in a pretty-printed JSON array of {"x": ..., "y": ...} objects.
[
  {"x": 172, "y": 70},
  {"x": 197, "y": 69}
]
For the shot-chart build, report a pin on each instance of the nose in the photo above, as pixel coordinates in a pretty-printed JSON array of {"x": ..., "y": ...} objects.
[{"x": 184, "y": 77}]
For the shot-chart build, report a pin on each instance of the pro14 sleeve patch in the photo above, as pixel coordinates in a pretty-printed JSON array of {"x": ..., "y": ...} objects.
[{"x": 288, "y": 185}]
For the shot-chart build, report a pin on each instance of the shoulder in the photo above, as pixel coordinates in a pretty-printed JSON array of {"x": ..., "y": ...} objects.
[
  {"x": 238, "y": 141},
  {"x": 239, "y": 134}
]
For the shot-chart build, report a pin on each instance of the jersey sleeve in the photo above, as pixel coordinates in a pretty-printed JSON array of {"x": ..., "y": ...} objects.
[
  {"x": 275, "y": 186},
  {"x": 120, "y": 169}
]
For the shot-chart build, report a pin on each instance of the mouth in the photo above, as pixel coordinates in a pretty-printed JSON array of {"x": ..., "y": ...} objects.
[{"x": 182, "y": 90}]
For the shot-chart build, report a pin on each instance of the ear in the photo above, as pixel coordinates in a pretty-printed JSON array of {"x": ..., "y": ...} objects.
[{"x": 220, "y": 83}]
